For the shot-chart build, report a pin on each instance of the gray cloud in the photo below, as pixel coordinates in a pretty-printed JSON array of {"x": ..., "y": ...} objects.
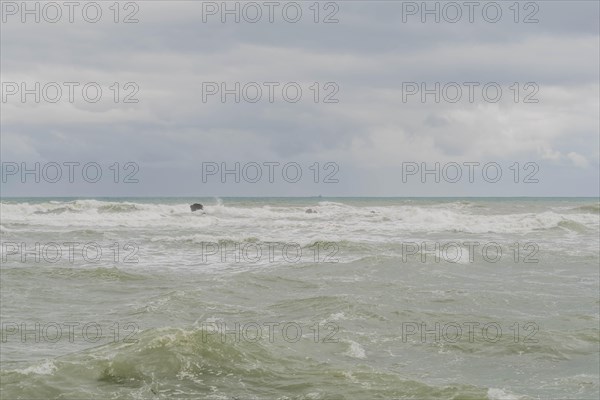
[{"x": 369, "y": 133}]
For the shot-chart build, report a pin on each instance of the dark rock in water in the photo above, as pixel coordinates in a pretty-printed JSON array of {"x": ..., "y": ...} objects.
[
  {"x": 196, "y": 206},
  {"x": 311, "y": 211}
]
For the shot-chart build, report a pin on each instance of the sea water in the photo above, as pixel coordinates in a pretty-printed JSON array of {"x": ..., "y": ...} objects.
[{"x": 254, "y": 298}]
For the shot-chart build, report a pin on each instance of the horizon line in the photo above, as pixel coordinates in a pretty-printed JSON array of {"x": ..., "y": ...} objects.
[{"x": 300, "y": 197}]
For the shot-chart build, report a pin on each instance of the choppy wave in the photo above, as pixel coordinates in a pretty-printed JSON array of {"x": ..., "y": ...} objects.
[
  {"x": 330, "y": 217},
  {"x": 368, "y": 295},
  {"x": 118, "y": 208},
  {"x": 572, "y": 225},
  {"x": 171, "y": 362},
  {"x": 58, "y": 210},
  {"x": 588, "y": 208}
]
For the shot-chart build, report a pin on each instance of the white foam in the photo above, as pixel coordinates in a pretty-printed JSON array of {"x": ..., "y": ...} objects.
[
  {"x": 500, "y": 394},
  {"x": 355, "y": 350},
  {"x": 45, "y": 368},
  {"x": 332, "y": 222}
]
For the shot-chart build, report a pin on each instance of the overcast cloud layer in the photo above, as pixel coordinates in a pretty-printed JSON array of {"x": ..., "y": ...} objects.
[{"x": 370, "y": 133}]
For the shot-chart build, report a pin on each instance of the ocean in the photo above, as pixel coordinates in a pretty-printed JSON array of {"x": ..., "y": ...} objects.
[{"x": 300, "y": 298}]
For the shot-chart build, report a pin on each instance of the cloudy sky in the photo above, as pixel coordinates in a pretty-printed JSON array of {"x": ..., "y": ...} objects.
[{"x": 388, "y": 88}]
